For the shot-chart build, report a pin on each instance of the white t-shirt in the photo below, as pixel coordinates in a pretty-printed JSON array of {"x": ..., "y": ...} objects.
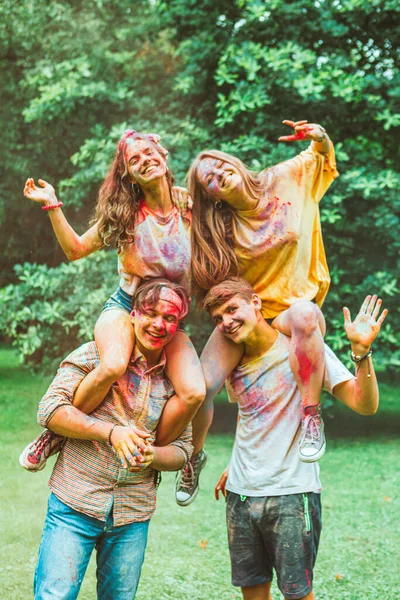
[
  {"x": 161, "y": 248},
  {"x": 265, "y": 460}
]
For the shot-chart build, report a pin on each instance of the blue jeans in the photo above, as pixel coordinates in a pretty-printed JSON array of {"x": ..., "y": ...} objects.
[{"x": 68, "y": 540}]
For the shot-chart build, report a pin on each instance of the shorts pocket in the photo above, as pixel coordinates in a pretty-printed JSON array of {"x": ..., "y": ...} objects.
[{"x": 306, "y": 511}]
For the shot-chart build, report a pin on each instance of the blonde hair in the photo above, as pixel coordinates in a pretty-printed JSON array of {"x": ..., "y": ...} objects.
[{"x": 213, "y": 256}]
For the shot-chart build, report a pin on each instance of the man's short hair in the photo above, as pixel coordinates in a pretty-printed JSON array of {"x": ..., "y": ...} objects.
[
  {"x": 224, "y": 291},
  {"x": 148, "y": 294}
]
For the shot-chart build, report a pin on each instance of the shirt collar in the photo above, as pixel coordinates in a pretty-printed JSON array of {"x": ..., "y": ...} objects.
[{"x": 138, "y": 359}]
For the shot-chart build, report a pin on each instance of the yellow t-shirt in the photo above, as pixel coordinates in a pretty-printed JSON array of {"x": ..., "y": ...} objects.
[{"x": 279, "y": 242}]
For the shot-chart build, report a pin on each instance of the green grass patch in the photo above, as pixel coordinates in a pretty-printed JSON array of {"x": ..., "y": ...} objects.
[{"x": 187, "y": 555}]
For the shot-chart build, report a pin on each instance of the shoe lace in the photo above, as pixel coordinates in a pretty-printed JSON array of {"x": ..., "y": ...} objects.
[
  {"x": 311, "y": 432},
  {"x": 188, "y": 477}
]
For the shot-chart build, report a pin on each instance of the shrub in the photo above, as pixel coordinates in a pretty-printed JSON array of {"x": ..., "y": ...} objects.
[{"x": 53, "y": 310}]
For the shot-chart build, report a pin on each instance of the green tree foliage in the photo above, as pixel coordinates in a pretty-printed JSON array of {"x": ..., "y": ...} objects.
[
  {"x": 202, "y": 74},
  {"x": 52, "y": 310}
]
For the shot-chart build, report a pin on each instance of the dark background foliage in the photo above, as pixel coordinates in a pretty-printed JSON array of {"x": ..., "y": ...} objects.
[{"x": 223, "y": 74}]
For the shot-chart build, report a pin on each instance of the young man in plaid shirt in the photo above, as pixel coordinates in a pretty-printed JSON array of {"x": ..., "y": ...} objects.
[{"x": 103, "y": 486}]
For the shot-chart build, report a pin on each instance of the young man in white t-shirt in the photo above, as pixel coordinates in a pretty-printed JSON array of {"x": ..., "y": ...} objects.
[{"x": 273, "y": 498}]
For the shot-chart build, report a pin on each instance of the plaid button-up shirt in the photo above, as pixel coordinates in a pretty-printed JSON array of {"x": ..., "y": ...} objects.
[{"x": 88, "y": 475}]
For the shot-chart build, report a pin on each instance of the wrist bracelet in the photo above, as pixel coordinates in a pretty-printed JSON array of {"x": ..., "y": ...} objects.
[
  {"x": 51, "y": 206},
  {"x": 357, "y": 359},
  {"x": 110, "y": 434}
]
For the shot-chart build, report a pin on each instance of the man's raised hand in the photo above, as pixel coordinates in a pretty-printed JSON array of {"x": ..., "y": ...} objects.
[{"x": 364, "y": 329}]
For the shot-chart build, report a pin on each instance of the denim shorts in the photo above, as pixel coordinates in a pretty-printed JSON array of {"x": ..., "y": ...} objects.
[
  {"x": 274, "y": 532},
  {"x": 119, "y": 300}
]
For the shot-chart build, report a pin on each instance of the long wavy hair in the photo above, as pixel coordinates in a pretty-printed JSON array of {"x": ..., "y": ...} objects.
[
  {"x": 213, "y": 256},
  {"x": 119, "y": 199}
]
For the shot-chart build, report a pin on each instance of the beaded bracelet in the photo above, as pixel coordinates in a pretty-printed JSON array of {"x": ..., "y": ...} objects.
[
  {"x": 51, "y": 206},
  {"x": 357, "y": 359}
]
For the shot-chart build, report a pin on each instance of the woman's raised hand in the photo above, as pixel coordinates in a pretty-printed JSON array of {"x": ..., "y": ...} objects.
[
  {"x": 45, "y": 194},
  {"x": 304, "y": 131}
]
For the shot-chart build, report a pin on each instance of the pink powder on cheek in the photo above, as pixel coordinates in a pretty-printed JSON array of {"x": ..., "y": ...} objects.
[{"x": 172, "y": 329}]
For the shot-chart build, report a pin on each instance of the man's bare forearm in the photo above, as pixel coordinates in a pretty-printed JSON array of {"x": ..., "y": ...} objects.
[
  {"x": 366, "y": 391},
  {"x": 168, "y": 458},
  {"x": 71, "y": 422}
]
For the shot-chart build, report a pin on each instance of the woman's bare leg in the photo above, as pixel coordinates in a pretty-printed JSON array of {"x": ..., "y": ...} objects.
[
  {"x": 219, "y": 357},
  {"x": 115, "y": 339},
  {"x": 184, "y": 371},
  {"x": 305, "y": 324}
]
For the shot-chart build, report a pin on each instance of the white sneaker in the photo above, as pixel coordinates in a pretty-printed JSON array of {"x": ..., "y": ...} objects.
[{"x": 312, "y": 444}]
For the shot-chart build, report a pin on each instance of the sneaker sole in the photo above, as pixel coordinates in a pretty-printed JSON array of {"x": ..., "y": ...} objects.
[
  {"x": 315, "y": 457},
  {"x": 189, "y": 500},
  {"x": 193, "y": 496},
  {"x": 29, "y": 469}
]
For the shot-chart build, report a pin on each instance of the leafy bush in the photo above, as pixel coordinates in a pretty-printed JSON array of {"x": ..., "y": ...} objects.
[{"x": 53, "y": 310}]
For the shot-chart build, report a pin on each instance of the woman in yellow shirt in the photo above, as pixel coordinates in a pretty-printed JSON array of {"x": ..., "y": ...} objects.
[{"x": 265, "y": 227}]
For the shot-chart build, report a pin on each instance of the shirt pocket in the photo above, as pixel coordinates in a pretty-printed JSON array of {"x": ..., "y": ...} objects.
[{"x": 158, "y": 397}]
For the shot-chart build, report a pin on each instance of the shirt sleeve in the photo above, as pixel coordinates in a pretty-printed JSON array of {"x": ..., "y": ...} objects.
[
  {"x": 184, "y": 442},
  {"x": 335, "y": 371},
  {"x": 69, "y": 375},
  {"x": 313, "y": 171}
]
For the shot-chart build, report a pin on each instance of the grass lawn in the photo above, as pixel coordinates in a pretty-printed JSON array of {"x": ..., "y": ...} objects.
[{"x": 187, "y": 556}]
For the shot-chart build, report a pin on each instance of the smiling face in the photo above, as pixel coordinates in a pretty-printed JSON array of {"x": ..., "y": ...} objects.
[
  {"x": 220, "y": 179},
  {"x": 237, "y": 318},
  {"x": 156, "y": 324},
  {"x": 143, "y": 162}
]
